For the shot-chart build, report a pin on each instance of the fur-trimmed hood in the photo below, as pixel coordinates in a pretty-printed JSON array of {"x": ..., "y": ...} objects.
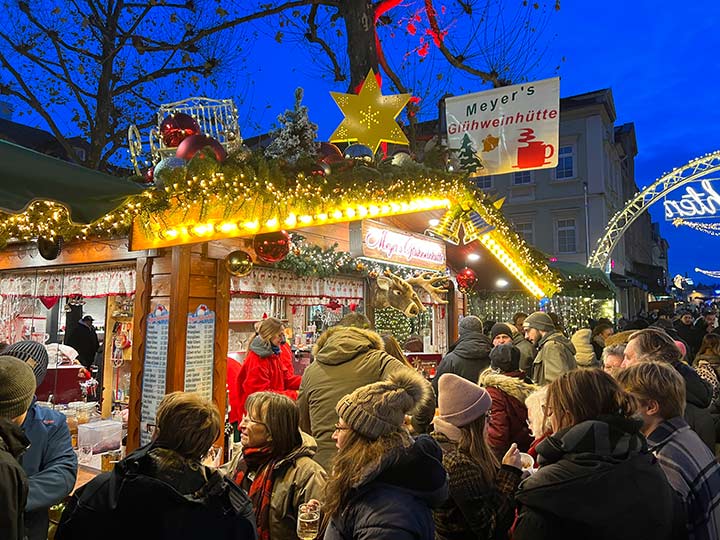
[
  {"x": 341, "y": 344},
  {"x": 513, "y": 386}
]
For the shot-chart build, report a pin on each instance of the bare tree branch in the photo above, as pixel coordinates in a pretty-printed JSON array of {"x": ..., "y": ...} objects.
[{"x": 312, "y": 37}]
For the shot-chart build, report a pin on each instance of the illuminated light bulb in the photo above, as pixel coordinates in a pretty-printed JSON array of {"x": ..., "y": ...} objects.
[
  {"x": 385, "y": 209},
  {"x": 202, "y": 229},
  {"x": 306, "y": 219},
  {"x": 291, "y": 220},
  {"x": 362, "y": 211},
  {"x": 322, "y": 217},
  {"x": 434, "y": 222},
  {"x": 404, "y": 206},
  {"x": 471, "y": 256},
  {"x": 251, "y": 225},
  {"x": 395, "y": 207},
  {"x": 373, "y": 210},
  {"x": 501, "y": 283},
  {"x": 227, "y": 227},
  {"x": 337, "y": 214},
  {"x": 184, "y": 231},
  {"x": 350, "y": 212},
  {"x": 271, "y": 223}
]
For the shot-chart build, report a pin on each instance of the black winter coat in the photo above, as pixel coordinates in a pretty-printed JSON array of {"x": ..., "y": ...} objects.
[
  {"x": 155, "y": 494},
  {"x": 698, "y": 395},
  {"x": 394, "y": 500},
  {"x": 13, "y": 481},
  {"x": 468, "y": 359},
  {"x": 85, "y": 341},
  {"x": 598, "y": 481}
]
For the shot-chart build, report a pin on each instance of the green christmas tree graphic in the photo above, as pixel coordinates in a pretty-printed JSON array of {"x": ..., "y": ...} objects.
[{"x": 469, "y": 162}]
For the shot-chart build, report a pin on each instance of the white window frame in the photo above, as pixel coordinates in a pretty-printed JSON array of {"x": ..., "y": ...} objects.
[
  {"x": 572, "y": 156},
  {"x": 531, "y": 178},
  {"x": 559, "y": 228}
]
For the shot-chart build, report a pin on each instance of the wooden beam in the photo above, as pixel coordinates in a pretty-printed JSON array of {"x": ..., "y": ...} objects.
[{"x": 179, "y": 308}]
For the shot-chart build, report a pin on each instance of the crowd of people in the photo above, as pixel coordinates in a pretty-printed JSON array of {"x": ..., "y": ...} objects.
[{"x": 524, "y": 433}]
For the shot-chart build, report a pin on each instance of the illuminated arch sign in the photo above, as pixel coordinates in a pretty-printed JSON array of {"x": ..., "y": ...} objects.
[{"x": 694, "y": 204}]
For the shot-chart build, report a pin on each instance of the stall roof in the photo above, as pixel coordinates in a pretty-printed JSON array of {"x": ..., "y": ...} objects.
[
  {"x": 579, "y": 279},
  {"x": 27, "y": 176}
]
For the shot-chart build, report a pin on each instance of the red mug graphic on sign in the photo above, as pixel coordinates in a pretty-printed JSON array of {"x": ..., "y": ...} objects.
[{"x": 535, "y": 154}]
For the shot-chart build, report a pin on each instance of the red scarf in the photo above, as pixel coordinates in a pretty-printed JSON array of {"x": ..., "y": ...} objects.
[{"x": 259, "y": 460}]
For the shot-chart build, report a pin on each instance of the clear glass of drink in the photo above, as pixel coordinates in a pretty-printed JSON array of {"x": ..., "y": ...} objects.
[{"x": 308, "y": 523}]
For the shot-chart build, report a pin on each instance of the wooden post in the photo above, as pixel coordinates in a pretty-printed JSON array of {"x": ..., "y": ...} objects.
[{"x": 179, "y": 307}]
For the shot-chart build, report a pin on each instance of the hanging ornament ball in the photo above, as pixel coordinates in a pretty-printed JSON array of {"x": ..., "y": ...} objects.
[
  {"x": 272, "y": 247},
  {"x": 402, "y": 159},
  {"x": 176, "y": 127},
  {"x": 239, "y": 263},
  {"x": 466, "y": 280},
  {"x": 193, "y": 144},
  {"x": 50, "y": 249},
  {"x": 329, "y": 153},
  {"x": 149, "y": 175},
  {"x": 164, "y": 167},
  {"x": 360, "y": 152}
]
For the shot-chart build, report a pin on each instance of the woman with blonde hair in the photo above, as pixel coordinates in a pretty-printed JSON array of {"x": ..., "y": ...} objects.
[
  {"x": 538, "y": 422},
  {"x": 383, "y": 484},
  {"x": 264, "y": 370},
  {"x": 595, "y": 464},
  {"x": 276, "y": 464}
]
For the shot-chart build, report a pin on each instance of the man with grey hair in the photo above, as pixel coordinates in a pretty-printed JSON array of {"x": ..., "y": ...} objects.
[
  {"x": 612, "y": 358},
  {"x": 654, "y": 345}
]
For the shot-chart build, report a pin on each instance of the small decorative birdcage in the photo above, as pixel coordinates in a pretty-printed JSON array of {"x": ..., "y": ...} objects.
[{"x": 217, "y": 118}]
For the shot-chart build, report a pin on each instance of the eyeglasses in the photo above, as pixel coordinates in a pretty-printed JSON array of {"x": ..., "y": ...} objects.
[
  {"x": 249, "y": 419},
  {"x": 338, "y": 427}
]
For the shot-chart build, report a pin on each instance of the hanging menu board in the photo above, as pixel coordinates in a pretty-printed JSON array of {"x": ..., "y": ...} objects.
[
  {"x": 154, "y": 370},
  {"x": 200, "y": 351}
]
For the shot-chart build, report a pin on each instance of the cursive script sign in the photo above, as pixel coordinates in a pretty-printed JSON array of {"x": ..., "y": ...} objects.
[
  {"x": 694, "y": 204},
  {"x": 400, "y": 247}
]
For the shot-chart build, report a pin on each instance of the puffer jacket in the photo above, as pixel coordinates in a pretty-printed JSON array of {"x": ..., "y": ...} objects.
[
  {"x": 698, "y": 397},
  {"x": 156, "y": 494},
  {"x": 394, "y": 498},
  {"x": 264, "y": 370},
  {"x": 527, "y": 352},
  {"x": 13, "y": 481},
  {"x": 584, "y": 350},
  {"x": 297, "y": 478},
  {"x": 51, "y": 466},
  {"x": 556, "y": 355},
  {"x": 346, "y": 358},
  {"x": 508, "y": 418},
  {"x": 597, "y": 481},
  {"x": 469, "y": 357}
]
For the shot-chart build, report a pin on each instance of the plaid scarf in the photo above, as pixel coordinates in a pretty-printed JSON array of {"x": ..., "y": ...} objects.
[{"x": 261, "y": 461}]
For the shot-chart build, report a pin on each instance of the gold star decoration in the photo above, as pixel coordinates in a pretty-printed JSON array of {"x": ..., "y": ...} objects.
[{"x": 370, "y": 116}]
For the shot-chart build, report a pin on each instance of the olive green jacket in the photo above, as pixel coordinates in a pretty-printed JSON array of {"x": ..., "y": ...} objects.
[
  {"x": 346, "y": 358},
  {"x": 296, "y": 479}
]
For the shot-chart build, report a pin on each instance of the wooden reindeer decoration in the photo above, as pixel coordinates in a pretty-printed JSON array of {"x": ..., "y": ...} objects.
[{"x": 397, "y": 293}]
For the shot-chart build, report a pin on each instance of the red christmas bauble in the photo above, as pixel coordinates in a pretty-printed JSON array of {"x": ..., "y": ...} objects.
[
  {"x": 466, "y": 279},
  {"x": 175, "y": 128},
  {"x": 329, "y": 153},
  {"x": 149, "y": 175},
  {"x": 272, "y": 247},
  {"x": 193, "y": 144}
]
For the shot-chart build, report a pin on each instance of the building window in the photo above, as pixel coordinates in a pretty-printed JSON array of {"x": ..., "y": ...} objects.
[
  {"x": 566, "y": 163},
  {"x": 526, "y": 231},
  {"x": 522, "y": 178},
  {"x": 566, "y": 236},
  {"x": 483, "y": 182}
]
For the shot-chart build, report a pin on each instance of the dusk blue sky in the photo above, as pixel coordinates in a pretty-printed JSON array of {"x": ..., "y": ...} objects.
[{"x": 659, "y": 59}]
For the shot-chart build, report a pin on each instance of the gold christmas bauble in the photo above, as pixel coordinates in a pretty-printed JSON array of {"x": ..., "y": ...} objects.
[{"x": 239, "y": 263}]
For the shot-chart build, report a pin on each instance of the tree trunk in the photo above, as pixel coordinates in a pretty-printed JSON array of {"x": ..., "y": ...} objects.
[{"x": 359, "y": 17}]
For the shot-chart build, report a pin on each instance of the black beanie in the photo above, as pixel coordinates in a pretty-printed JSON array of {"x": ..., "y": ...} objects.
[
  {"x": 506, "y": 358},
  {"x": 500, "y": 328}
]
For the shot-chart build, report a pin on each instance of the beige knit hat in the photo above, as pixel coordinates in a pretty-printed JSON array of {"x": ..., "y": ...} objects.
[
  {"x": 378, "y": 409},
  {"x": 17, "y": 387}
]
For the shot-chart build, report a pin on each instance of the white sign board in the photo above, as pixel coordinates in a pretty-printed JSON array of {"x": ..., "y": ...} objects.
[
  {"x": 154, "y": 370},
  {"x": 200, "y": 351},
  {"x": 505, "y": 130}
]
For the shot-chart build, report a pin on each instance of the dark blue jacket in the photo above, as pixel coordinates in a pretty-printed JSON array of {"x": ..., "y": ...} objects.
[
  {"x": 467, "y": 358},
  {"x": 50, "y": 464},
  {"x": 396, "y": 500}
]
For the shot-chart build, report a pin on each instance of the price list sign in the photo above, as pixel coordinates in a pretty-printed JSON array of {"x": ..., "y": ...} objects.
[
  {"x": 154, "y": 370},
  {"x": 200, "y": 351}
]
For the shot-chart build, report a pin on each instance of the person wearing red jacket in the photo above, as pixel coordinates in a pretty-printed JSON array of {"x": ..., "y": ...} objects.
[
  {"x": 264, "y": 368},
  {"x": 508, "y": 389}
]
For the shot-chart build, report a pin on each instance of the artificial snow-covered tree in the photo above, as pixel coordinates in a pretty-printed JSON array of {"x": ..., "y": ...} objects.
[
  {"x": 469, "y": 162},
  {"x": 295, "y": 137}
]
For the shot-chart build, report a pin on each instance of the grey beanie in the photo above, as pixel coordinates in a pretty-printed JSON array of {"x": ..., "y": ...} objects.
[
  {"x": 379, "y": 408},
  {"x": 540, "y": 321},
  {"x": 34, "y": 354},
  {"x": 17, "y": 387},
  {"x": 505, "y": 357},
  {"x": 470, "y": 323}
]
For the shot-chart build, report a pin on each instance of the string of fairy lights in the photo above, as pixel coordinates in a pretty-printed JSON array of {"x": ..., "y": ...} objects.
[
  {"x": 712, "y": 229},
  {"x": 710, "y": 273}
]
